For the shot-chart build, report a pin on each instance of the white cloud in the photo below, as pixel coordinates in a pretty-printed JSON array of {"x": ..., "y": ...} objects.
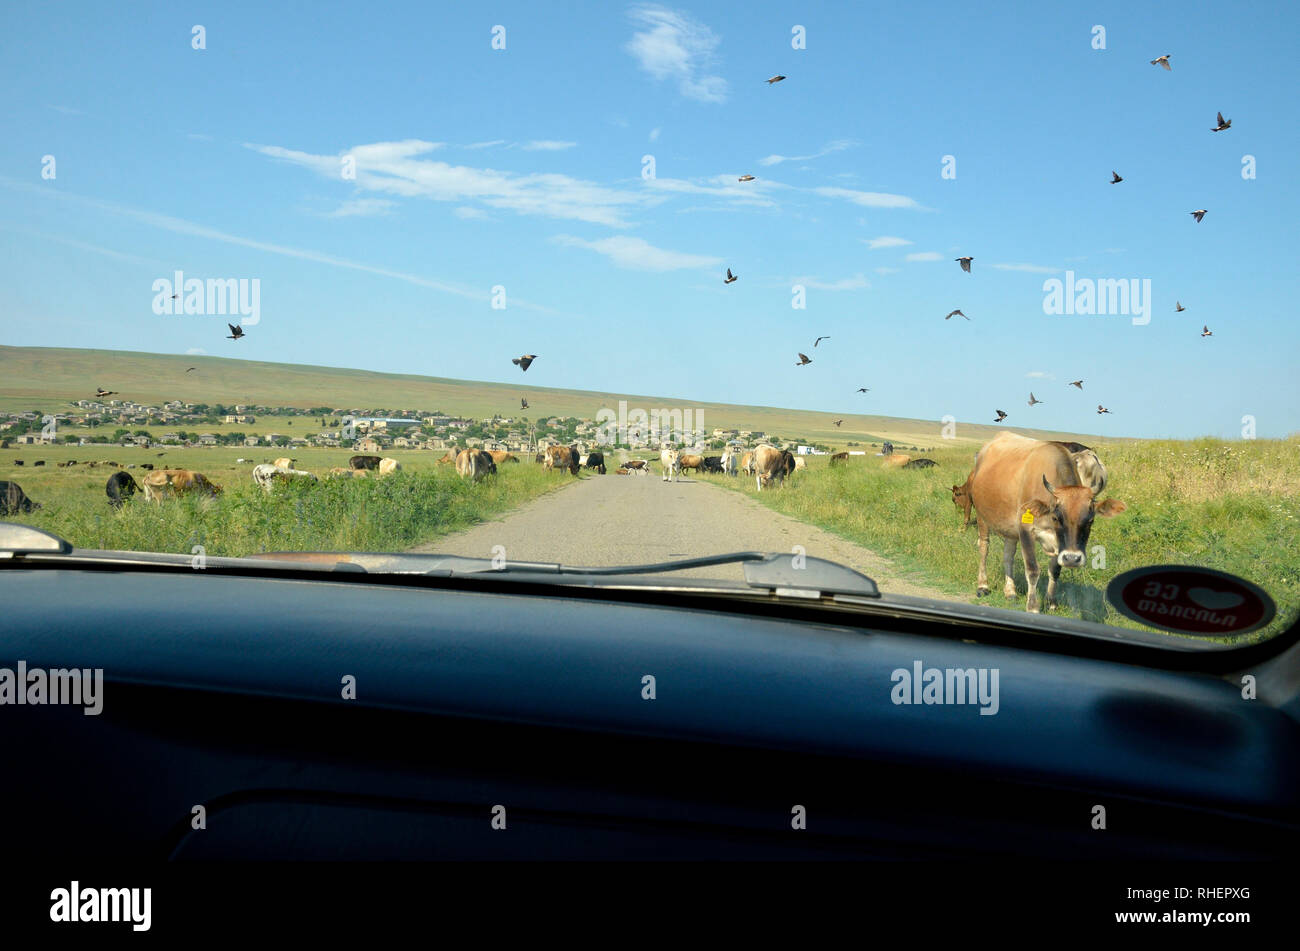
[
  {"x": 885, "y": 241},
  {"x": 548, "y": 145},
  {"x": 486, "y": 145},
  {"x": 886, "y": 270},
  {"x": 857, "y": 282},
  {"x": 1040, "y": 375},
  {"x": 837, "y": 146},
  {"x": 924, "y": 256},
  {"x": 1032, "y": 268},
  {"x": 400, "y": 168},
  {"x": 362, "y": 207},
  {"x": 672, "y": 45},
  {"x": 636, "y": 254},
  {"x": 654, "y": 133},
  {"x": 867, "y": 199}
]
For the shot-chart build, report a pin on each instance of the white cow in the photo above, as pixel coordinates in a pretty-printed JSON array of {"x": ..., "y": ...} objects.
[
  {"x": 668, "y": 458},
  {"x": 729, "y": 462},
  {"x": 388, "y": 466},
  {"x": 264, "y": 475}
]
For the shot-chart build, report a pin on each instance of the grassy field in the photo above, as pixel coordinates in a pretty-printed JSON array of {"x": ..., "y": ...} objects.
[
  {"x": 1234, "y": 506},
  {"x": 46, "y": 379},
  {"x": 410, "y": 507}
]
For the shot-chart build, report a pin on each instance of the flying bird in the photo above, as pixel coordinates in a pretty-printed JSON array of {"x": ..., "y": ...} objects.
[
  {"x": 191, "y": 368},
  {"x": 1078, "y": 383},
  {"x": 1206, "y": 331},
  {"x": 235, "y": 332},
  {"x": 1032, "y": 399},
  {"x": 730, "y": 278},
  {"x": 745, "y": 178},
  {"x": 1001, "y": 416},
  {"x": 1198, "y": 214},
  {"x": 525, "y": 361},
  {"x": 775, "y": 79},
  {"x": 100, "y": 391},
  {"x": 863, "y": 389},
  {"x": 174, "y": 296},
  {"x": 1114, "y": 177},
  {"x": 820, "y": 339},
  {"x": 1162, "y": 61},
  {"x": 804, "y": 359},
  {"x": 965, "y": 263},
  {"x": 837, "y": 421},
  {"x": 955, "y": 313},
  {"x": 1178, "y": 307},
  {"x": 523, "y": 403},
  {"x": 1223, "y": 124},
  {"x": 1101, "y": 409}
]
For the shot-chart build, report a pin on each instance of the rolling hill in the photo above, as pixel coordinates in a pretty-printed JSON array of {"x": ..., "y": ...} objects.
[{"x": 46, "y": 378}]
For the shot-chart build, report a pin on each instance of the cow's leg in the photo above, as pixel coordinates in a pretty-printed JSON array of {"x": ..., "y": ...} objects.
[
  {"x": 1053, "y": 576},
  {"x": 1027, "y": 546},
  {"x": 982, "y": 581},
  {"x": 1009, "y": 567}
]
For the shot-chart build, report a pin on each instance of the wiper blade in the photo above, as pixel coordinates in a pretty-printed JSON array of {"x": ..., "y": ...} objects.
[{"x": 792, "y": 575}]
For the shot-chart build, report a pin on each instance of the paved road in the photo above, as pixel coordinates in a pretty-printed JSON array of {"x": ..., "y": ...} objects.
[{"x": 624, "y": 520}]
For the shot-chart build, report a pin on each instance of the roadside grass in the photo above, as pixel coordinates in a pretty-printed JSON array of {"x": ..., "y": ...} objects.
[
  {"x": 393, "y": 513},
  {"x": 1234, "y": 506}
]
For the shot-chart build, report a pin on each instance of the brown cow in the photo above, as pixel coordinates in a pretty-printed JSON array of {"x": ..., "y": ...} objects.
[
  {"x": 747, "y": 463},
  {"x": 961, "y": 500},
  {"x": 474, "y": 464},
  {"x": 164, "y": 483},
  {"x": 339, "y": 471},
  {"x": 635, "y": 464},
  {"x": 772, "y": 465},
  {"x": 500, "y": 456},
  {"x": 689, "y": 461},
  {"x": 840, "y": 458},
  {"x": 620, "y": 472},
  {"x": 1029, "y": 491},
  {"x": 448, "y": 459},
  {"x": 284, "y": 462},
  {"x": 562, "y": 457},
  {"x": 896, "y": 460}
]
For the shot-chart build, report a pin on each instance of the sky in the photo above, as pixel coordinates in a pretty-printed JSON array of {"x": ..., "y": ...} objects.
[{"x": 589, "y": 168}]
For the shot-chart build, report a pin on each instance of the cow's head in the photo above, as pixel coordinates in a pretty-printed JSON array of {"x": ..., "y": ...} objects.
[
  {"x": 961, "y": 500},
  {"x": 1062, "y": 524}
]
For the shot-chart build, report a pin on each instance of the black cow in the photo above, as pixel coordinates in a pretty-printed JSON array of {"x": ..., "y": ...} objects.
[
  {"x": 363, "y": 462},
  {"x": 120, "y": 487},
  {"x": 919, "y": 464},
  {"x": 19, "y": 462},
  {"x": 39, "y": 462},
  {"x": 596, "y": 460},
  {"x": 14, "y": 500},
  {"x": 146, "y": 465},
  {"x": 711, "y": 464}
]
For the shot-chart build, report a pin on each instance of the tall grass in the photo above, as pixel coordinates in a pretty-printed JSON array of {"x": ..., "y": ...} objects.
[
  {"x": 387, "y": 514},
  {"x": 1234, "y": 506}
]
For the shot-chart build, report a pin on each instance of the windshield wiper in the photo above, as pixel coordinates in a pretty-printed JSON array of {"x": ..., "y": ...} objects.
[{"x": 784, "y": 575}]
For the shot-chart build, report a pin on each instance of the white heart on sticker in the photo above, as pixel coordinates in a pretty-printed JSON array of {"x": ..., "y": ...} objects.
[{"x": 1214, "y": 600}]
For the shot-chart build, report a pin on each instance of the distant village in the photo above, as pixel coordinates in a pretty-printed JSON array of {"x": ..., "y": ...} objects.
[{"x": 175, "y": 423}]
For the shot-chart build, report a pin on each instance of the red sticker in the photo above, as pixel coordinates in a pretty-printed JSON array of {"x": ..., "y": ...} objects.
[{"x": 1190, "y": 600}]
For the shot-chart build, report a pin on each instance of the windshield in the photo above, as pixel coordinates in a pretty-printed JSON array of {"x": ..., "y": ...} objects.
[{"x": 993, "y": 309}]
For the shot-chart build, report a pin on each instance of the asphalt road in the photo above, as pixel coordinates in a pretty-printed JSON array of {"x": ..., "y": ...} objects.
[{"x": 625, "y": 520}]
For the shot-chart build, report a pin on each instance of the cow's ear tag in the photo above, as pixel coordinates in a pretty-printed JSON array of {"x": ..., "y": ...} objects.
[{"x": 1027, "y": 518}]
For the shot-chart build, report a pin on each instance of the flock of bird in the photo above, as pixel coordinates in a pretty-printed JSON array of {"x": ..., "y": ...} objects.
[
  {"x": 965, "y": 261},
  {"x": 523, "y": 362}
]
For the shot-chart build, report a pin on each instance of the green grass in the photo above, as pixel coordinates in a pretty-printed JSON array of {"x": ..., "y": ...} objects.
[
  {"x": 394, "y": 513},
  {"x": 1234, "y": 506}
]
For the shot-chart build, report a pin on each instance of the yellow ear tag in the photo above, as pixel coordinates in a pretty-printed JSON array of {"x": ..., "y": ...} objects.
[{"x": 1027, "y": 518}]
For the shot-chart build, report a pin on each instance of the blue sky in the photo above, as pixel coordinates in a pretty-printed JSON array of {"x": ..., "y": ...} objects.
[{"x": 522, "y": 167}]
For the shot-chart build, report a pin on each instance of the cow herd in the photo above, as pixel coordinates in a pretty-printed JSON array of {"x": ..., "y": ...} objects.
[{"x": 1029, "y": 492}]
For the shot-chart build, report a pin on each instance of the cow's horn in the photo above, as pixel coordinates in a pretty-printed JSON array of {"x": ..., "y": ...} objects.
[{"x": 1048, "y": 486}]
